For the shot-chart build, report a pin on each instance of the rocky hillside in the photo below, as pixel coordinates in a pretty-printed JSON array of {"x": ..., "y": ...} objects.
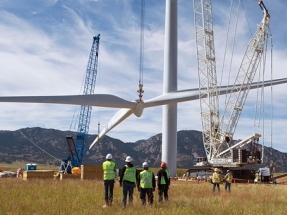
[{"x": 49, "y": 146}]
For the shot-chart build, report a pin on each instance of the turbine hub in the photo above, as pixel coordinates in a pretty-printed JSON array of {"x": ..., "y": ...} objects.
[{"x": 139, "y": 108}]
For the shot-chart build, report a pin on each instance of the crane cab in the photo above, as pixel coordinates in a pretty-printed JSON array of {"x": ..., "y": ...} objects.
[{"x": 201, "y": 161}]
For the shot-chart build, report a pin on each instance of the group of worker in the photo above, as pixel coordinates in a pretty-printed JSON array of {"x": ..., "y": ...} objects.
[
  {"x": 217, "y": 179},
  {"x": 129, "y": 180}
]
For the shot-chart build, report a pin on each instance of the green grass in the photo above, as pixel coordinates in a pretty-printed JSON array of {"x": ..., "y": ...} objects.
[{"x": 86, "y": 197}]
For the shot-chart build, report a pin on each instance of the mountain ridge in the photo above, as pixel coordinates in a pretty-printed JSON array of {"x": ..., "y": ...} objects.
[{"x": 49, "y": 146}]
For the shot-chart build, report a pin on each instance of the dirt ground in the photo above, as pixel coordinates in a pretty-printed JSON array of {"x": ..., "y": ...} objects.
[{"x": 281, "y": 179}]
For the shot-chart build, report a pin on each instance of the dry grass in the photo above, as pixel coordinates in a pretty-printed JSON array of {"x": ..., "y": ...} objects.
[
  {"x": 86, "y": 197},
  {"x": 14, "y": 166}
]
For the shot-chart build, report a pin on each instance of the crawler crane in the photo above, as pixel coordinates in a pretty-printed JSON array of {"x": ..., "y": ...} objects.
[
  {"x": 76, "y": 151},
  {"x": 218, "y": 134}
]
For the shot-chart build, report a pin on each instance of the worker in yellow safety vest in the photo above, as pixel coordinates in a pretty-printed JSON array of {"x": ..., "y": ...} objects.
[
  {"x": 128, "y": 180},
  {"x": 216, "y": 179},
  {"x": 256, "y": 177},
  {"x": 163, "y": 182},
  {"x": 146, "y": 184},
  {"x": 228, "y": 180},
  {"x": 109, "y": 169}
]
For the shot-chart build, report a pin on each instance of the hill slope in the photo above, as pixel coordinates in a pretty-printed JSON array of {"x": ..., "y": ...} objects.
[{"x": 49, "y": 146}]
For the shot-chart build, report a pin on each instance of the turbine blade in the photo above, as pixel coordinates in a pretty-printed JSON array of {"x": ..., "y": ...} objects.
[
  {"x": 254, "y": 85},
  {"x": 120, "y": 116},
  {"x": 193, "y": 94},
  {"x": 100, "y": 100},
  {"x": 175, "y": 97},
  {"x": 106, "y": 100}
]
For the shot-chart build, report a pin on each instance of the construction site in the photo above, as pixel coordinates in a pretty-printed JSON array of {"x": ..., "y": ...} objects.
[{"x": 217, "y": 132}]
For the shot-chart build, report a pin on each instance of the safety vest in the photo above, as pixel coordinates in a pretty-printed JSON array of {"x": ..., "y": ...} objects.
[
  {"x": 109, "y": 170},
  {"x": 146, "y": 179},
  {"x": 256, "y": 176},
  {"x": 216, "y": 178},
  {"x": 130, "y": 174},
  {"x": 162, "y": 180},
  {"x": 229, "y": 177}
]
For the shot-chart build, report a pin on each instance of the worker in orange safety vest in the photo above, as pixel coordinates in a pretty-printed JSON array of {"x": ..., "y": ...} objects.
[{"x": 163, "y": 182}]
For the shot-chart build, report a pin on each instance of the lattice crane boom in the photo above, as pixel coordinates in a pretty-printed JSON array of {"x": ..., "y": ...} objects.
[
  {"x": 77, "y": 150},
  {"x": 85, "y": 113},
  {"x": 251, "y": 60},
  {"x": 207, "y": 77}
]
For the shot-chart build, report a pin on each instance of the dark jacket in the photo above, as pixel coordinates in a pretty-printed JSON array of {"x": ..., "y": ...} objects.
[
  {"x": 123, "y": 172},
  {"x": 162, "y": 173},
  {"x": 139, "y": 181}
]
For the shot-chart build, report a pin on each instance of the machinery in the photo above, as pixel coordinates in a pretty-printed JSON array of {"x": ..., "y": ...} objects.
[
  {"x": 218, "y": 133},
  {"x": 76, "y": 150}
]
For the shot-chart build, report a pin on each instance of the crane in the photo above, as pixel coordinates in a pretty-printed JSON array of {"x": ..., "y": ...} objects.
[
  {"x": 76, "y": 151},
  {"x": 218, "y": 134},
  {"x": 207, "y": 78}
]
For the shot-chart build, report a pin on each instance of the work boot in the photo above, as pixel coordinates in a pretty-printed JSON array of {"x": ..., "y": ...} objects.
[{"x": 105, "y": 206}]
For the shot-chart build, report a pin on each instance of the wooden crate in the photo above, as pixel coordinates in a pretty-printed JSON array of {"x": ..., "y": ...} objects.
[
  {"x": 69, "y": 176},
  {"x": 91, "y": 172},
  {"x": 43, "y": 174}
]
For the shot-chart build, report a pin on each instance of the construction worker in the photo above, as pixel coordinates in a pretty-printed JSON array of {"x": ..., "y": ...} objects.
[
  {"x": 198, "y": 178},
  {"x": 187, "y": 176},
  {"x": 163, "y": 182},
  {"x": 228, "y": 180},
  {"x": 216, "y": 179},
  {"x": 128, "y": 180},
  {"x": 256, "y": 177},
  {"x": 109, "y": 168},
  {"x": 146, "y": 184}
]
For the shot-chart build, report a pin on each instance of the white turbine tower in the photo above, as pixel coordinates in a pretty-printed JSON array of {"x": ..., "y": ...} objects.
[
  {"x": 169, "y": 111},
  {"x": 168, "y": 99}
]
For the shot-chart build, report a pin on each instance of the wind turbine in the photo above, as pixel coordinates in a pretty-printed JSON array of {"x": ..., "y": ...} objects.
[{"x": 168, "y": 99}]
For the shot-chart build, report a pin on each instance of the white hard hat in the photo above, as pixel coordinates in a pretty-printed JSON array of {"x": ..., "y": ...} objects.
[
  {"x": 129, "y": 159},
  {"x": 215, "y": 170},
  {"x": 145, "y": 164},
  {"x": 109, "y": 156}
]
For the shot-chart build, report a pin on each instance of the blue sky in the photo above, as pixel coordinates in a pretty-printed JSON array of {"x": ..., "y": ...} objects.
[{"x": 45, "y": 45}]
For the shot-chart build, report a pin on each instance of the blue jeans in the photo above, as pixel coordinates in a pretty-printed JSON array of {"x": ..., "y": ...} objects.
[
  {"x": 109, "y": 191},
  {"x": 128, "y": 188},
  {"x": 227, "y": 186}
]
